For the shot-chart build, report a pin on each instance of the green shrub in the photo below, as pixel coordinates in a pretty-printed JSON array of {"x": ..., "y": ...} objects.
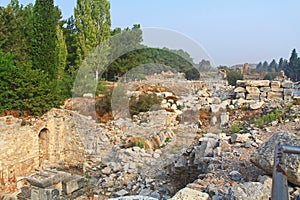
[
  {"x": 233, "y": 76},
  {"x": 235, "y": 127},
  {"x": 143, "y": 103},
  {"x": 140, "y": 143},
  {"x": 268, "y": 118}
]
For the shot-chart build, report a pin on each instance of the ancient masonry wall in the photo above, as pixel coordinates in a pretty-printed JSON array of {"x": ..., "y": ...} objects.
[
  {"x": 25, "y": 145},
  {"x": 264, "y": 90}
]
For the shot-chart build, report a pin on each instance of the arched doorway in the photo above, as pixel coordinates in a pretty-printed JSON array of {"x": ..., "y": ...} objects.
[{"x": 43, "y": 146}]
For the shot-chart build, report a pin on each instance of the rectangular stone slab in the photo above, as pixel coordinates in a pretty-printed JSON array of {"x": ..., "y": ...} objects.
[
  {"x": 46, "y": 178},
  {"x": 72, "y": 184}
]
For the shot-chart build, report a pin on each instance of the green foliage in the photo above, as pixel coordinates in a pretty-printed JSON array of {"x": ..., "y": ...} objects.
[
  {"x": 15, "y": 32},
  {"x": 167, "y": 140},
  {"x": 140, "y": 142},
  {"x": 174, "y": 59},
  {"x": 235, "y": 127},
  {"x": 291, "y": 67},
  {"x": 26, "y": 90},
  {"x": 92, "y": 19},
  {"x": 233, "y": 76},
  {"x": 268, "y": 77},
  {"x": 143, "y": 103},
  {"x": 44, "y": 40},
  {"x": 268, "y": 118}
]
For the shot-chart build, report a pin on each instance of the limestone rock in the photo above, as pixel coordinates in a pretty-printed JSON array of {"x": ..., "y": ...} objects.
[
  {"x": 134, "y": 197},
  {"x": 215, "y": 108},
  {"x": 239, "y": 90},
  {"x": 260, "y": 83},
  {"x": 287, "y": 84},
  {"x": 249, "y": 191},
  {"x": 224, "y": 118},
  {"x": 213, "y": 121},
  {"x": 205, "y": 149},
  {"x": 274, "y": 95},
  {"x": 264, "y": 156},
  {"x": 257, "y": 105},
  {"x": 236, "y": 175},
  {"x": 276, "y": 89},
  {"x": 121, "y": 193},
  {"x": 265, "y": 89},
  {"x": 190, "y": 194},
  {"x": 253, "y": 90},
  {"x": 275, "y": 84},
  {"x": 241, "y": 138},
  {"x": 243, "y": 83},
  {"x": 252, "y": 97},
  {"x": 240, "y": 95},
  {"x": 288, "y": 92}
]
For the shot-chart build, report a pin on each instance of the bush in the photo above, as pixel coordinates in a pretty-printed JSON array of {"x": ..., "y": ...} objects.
[
  {"x": 268, "y": 118},
  {"x": 233, "y": 76},
  {"x": 268, "y": 77},
  {"x": 235, "y": 128},
  {"x": 140, "y": 143},
  {"x": 143, "y": 103}
]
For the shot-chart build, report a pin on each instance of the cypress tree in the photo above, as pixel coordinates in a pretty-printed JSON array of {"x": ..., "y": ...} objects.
[{"x": 44, "y": 50}]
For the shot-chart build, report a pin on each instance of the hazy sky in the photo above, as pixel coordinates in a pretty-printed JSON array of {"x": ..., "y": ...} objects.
[{"x": 230, "y": 31}]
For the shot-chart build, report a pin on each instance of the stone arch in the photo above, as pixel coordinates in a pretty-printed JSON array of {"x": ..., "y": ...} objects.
[{"x": 44, "y": 141}]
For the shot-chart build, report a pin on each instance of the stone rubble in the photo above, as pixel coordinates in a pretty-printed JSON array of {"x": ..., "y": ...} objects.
[{"x": 185, "y": 149}]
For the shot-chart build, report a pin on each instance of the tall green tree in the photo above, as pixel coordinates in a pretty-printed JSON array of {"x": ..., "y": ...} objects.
[
  {"x": 15, "y": 27},
  {"x": 93, "y": 30},
  {"x": 23, "y": 89},
  {"x": 44, "y": 40},
  {"x": 293, "y": 68},
  {"x": 273, "y": 66},
  {"x": 92, "y": 19},
  {"x": 70, "y": 33}
]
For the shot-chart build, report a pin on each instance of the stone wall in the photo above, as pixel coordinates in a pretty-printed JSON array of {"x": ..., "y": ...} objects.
[
  {"x": 28, "y": 144},
  {"x": 264, "y": 90}
]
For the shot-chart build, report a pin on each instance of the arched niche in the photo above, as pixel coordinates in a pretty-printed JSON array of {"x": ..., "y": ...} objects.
[{"x": 44, "y": 152}]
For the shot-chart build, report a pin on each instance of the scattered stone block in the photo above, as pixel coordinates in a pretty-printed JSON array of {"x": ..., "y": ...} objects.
[
  {"x": 265, "y": 89},
  {"x": 250, "y": 191},
  {"x": 224, "y": 118},
  {"x": 288, "y": 92},
  {"x": 275, "y": 95},
  {"x": 240, "y": 95},
  {"x": 240, "y": 138},
  {"x": 275, "y": 84},
  {"x": 190, "y": 194},
  {"x": 252, "y": 97},
  {"x": 257, "y": 105},
  {"x": 252, "y": 90},
  {"x": 121, "y": 193},
  {"x": 206, "y": 149},
  {"x": 243, "y": 83},
  {"x": 288, "y": 84},
  {"x": 260, "y": 83},
  {"x": 276, "y": 89},
  {"x": 264, "y": 156},
  {"x": 239, "y": 90},
  {"x": 44, "y": 193},
  {"x": 46, "y": 178},
  {"x": 73, "y": 184}
]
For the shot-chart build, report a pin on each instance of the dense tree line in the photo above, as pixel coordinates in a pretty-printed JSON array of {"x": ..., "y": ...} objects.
[
  {"x": 291, "y": 67},
  {"x": 41, "y": 53}
]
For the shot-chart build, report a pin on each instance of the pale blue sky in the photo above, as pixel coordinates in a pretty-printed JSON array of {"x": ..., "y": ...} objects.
[{"x": 231, "y": 31}]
